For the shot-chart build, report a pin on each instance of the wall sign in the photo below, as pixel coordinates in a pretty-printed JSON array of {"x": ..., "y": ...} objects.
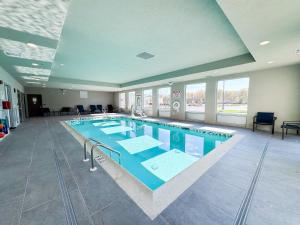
[
  {"x": 176, "y": 94},
  {"x": 83, "y": 94}
]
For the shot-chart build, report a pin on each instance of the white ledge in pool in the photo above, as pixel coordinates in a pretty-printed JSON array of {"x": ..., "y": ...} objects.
[{"x": 158, "y": 161}]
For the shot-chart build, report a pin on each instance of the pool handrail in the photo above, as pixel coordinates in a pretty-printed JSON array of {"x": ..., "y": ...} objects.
[{"x": 98, "y": 144}]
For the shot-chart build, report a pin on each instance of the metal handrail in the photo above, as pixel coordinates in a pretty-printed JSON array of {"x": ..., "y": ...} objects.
[
  {"x": 79, "y": 115},
  {"x": 98, "y": 144},
  {"x": 85, "y": 159}
]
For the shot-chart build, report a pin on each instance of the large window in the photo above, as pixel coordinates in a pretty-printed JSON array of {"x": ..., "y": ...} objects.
[
  {"x": 233, "y": 96},
  {"x": 147, "y": 95},
  {"x": 122, "y": 100},
  {"x": 131, "y": 99},
  {"x": 195, "y": 97},
  {"x": 164, "y": 98}
]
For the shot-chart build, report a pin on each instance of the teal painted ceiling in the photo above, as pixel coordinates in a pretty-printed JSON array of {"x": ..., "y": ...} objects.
[
  {"x": 29, "y": 34},
  {"x": 95, "y": 42}
]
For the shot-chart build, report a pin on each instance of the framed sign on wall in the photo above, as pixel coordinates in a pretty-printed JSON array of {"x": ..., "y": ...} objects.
[
  {"x": 83, "y": 94},
  {"x": 176, "y": 94}
]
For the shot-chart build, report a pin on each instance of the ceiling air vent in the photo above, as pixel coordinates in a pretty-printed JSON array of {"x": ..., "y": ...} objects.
[{"x": 145, "y": 55}]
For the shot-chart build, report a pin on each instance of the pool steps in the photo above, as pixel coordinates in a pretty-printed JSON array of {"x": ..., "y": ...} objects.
[{"x": 100, "y": 158}]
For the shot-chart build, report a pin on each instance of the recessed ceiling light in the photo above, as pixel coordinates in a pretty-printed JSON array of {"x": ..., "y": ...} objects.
[
  {"x": 62, "y": 64},
  {"x": 33, "y": 82},
  {"x": 31, "y": 45},
  {"x": 34, "y": 64},
  {"x": 34, "y": 71},
  {"x": 264, "y": 43},
  {"x": 42, "y": 78},
  {"x": 270, "y": 62}
]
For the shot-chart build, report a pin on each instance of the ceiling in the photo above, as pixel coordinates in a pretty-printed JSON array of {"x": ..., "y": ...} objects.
[{"x": 93, "y": 44}]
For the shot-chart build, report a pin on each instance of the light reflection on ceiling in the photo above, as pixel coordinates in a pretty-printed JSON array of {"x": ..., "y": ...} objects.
[
  {"x": 34, "y": 71},
  {"x": 35, "y": 78},
  {"x": 33, "y": 82},
  {"x": 42, "y": 17},
  {"x": 21, "y": 50}
]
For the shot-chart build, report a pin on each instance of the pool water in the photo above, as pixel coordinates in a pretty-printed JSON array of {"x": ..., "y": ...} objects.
[{"x": 151, "y": 152}]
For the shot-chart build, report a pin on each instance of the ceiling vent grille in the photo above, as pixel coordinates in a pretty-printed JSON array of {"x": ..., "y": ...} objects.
[{"x": 145, "y": 55}]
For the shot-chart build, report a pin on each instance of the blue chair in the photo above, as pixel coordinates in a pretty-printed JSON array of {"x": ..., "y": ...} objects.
[
  {"x": 110, "y": 108},
  {"x": 93, "y": 108},
  {"x": 264, "y": 118},
  {"x": 80, "y": 109},
  {"x": 99, "y": 107}
]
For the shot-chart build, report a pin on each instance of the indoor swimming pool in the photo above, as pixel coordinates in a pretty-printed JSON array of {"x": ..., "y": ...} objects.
[{"x": 153, "y": 153}]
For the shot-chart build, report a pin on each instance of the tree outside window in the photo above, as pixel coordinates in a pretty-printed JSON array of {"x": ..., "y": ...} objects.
[
  {"x": 195, "y": 97},
  {"x": 232, "y": 96},
  {"x": 164, "y": 98}
]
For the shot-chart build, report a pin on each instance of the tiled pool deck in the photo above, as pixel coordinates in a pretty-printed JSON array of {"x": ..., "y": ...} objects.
[{"x": 30, "y": 192}]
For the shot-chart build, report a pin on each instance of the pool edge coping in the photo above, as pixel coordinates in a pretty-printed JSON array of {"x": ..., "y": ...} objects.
[{"x": 153, "y": 202}]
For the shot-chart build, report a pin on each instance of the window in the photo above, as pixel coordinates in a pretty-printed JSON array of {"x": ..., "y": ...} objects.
[
  {"x": 233, "y": 96},
  {"x": 122, "y": 102},
  {"x": 195, "y": 97},
  {"x": 131, "y": 99},
  {"x": 164, "y": 98},
  {"x": 147, "y": 99}
]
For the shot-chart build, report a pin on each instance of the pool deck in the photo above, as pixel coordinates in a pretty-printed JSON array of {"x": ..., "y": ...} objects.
[{"x": 31, "y": 191}]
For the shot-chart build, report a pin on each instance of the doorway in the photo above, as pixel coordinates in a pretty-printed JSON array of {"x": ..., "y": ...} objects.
[
  {"x": 35, "y": 105},
  {"x": 21, "y": 104}
]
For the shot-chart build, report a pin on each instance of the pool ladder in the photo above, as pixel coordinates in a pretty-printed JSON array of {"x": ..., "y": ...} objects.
[{"x": 98, "y": 144}]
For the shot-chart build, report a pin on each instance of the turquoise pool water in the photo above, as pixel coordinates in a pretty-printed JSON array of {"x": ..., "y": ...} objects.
[{"x": 151, "y": 152}]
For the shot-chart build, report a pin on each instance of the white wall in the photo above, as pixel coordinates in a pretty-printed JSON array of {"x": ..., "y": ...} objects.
[
  {"x": 274, "y": 90},
  {"x": 55, "y": 99},
  {"x": 15, "y": 85}
]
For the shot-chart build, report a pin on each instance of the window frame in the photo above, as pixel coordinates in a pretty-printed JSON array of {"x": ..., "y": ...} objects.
[
  {"x": 232, "y": 113},
  {"x": 185, "y": 98},
  {"x": 121, "y": 93},
  {"x": 128, "y": 105},
  {"x": 158, "y": 96},
  {"x": 151, "y": 107}
]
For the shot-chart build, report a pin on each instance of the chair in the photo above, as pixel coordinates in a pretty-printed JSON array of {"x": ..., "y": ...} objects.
[
  {"x": 293, "y": 125},
  {"x": 46, "y": 111},
  {"x": 99, "y": 107},
  {"x": 93, "y": 108},
  {"x": 65, "y": 110},
  {"x": 80, "y": 109},
  {"x": 110, "y": 108},
  {"x": 264, "y": 118}
]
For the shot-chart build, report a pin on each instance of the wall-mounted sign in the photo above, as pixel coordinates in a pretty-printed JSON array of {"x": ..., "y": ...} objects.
[
  {"x": 176, "y": 94},
  {"x": 83, "y": 94}
]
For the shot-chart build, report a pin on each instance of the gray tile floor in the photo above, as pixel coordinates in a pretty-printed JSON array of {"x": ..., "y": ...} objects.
[{"x": 30, "y": 193}]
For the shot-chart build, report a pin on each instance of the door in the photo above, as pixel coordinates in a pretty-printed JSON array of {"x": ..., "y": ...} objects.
[{"x": 34, "y": 105}]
